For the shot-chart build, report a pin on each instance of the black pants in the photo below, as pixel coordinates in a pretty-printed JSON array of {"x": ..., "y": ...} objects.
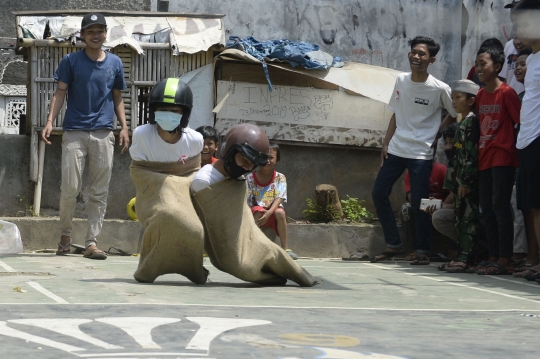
[{"x": 496, "y": 185}]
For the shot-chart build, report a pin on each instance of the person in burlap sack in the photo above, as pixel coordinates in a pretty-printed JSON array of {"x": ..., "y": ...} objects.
[
  {"x": 233, "y": 241},
  {"x": 166, "y": 154}
]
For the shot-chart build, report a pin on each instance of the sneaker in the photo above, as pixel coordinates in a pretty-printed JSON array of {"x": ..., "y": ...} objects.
[{"x": 293, "y": 256}]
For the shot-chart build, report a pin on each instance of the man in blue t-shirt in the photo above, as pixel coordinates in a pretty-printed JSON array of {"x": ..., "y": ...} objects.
[{"x": 93, "y": 80}]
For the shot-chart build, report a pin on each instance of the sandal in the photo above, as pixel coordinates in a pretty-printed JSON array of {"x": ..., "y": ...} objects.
[
  {"x": 421, "y": 260},
  {"x": 119, "y": 252},
  {"x": 386, "y": 255},
  {"x": 410, "y": 257},
  {"x": 96, "y": 254},
  {"x": 479, "y": 266},
  {"x": 500, "y": 270},
  {"x": 523, "y": 267},
  {"x": 532, "y": 277},
  {"x": 524, "y": 273},
  {"x": 443, "y": 266},
  {"x": 66, "y": 249},
  {"x": 458, "y": 267}
]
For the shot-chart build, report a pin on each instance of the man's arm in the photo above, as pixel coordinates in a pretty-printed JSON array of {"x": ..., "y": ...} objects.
[
  {"x": 448, "y": 120},
  {"x": 120, "y": 112},
  {"x": 389, "y": 134},
  {"x": 57, "y": 102}
]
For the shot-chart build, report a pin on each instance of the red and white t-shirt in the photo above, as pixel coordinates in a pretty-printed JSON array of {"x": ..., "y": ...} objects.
[
  {"x": 436, "y": 181},
  {"x": 498, "y": 112}
]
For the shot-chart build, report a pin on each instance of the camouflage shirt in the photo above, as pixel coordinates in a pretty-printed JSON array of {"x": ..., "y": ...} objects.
[{"x": 463, "y": 166}]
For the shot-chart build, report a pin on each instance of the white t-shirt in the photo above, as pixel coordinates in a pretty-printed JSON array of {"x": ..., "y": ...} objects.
[
  {"x": 510, "y": 59},
  {"x": 148, "y": 146},
  {"x": 418, "y": 108},
  {"x": 530, "y": 107},
  {"x": 206, "y": 176}
]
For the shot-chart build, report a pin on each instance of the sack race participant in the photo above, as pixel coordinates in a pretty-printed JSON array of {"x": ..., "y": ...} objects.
[
  {"x": 166, "y": 154},
  {"x": 233, "y": 241}
]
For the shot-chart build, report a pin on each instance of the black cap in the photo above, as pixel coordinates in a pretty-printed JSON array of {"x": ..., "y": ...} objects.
[
  {"x": 511, "y": 5},
  {"x": 93, "y": 18}
]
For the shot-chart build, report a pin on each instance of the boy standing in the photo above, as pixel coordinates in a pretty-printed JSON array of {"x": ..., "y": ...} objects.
[
  {"x": 93, "y": 80},
  {"x": 528, "y": 141},
  {"x": 462, "y": 174},
  {"x": 417, "y": 103},
  {"x": 498, "y": 108},
  {"x": 267, "y": 193}
]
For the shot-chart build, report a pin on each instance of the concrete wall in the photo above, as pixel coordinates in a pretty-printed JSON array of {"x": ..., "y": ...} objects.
[
  {"x": 352, "y": 170},
  {"x": 18, "y": 192},
  {"x": 368, "y": 31}
]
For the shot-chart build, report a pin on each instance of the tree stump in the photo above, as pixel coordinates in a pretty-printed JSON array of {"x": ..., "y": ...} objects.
[{"x": 326, "y": 196}]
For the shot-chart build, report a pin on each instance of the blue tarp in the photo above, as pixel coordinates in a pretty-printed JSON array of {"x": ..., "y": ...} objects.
[{"x": 295, "y": 53}]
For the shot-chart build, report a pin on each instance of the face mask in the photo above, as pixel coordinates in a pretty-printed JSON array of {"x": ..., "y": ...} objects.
[
  {"x": 167, "y": 120},
  {"x": 233, "y": 170}
]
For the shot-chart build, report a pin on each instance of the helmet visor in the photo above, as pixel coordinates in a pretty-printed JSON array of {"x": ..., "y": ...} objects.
[{"x": 256, "y": 157}]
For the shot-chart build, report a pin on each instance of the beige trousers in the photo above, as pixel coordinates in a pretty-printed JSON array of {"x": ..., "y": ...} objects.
[{"x": 77, "y": 147}]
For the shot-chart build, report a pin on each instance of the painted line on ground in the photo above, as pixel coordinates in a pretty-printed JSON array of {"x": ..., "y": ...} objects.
[
  {"x": 47, "y": 292},
  {"x": 518, "y": 310},
  {"x": 461, "y": 285},
  {"x": 157, "y": 354},
  {"x": 537, "y": 286},
  {"x": 6, "y": 267}
]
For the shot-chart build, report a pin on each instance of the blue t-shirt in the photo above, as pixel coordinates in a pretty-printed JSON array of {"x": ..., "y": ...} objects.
[{"x": 90, "y": 84}]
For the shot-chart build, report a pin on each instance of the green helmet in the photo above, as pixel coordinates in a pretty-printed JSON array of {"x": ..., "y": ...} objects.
[{"x": 171, "y": 92}]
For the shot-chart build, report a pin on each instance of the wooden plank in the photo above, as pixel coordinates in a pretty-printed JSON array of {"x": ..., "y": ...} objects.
[{"x": 242, "y": 72}]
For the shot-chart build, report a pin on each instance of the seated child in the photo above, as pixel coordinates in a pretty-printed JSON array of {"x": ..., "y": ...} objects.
[
  {"x": 211, "y": 140},
  {"x": 267, "y": 193},
  {"x": 462, "y": 174}
]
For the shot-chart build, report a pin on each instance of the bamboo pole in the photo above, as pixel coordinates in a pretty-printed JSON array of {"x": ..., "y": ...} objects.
[
  {"x": 39, "y": 182},
  {"x": 33, "y": 118}
]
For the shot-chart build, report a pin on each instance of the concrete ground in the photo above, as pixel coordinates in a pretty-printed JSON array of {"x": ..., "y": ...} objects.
[{"x": 69, "y": 307}]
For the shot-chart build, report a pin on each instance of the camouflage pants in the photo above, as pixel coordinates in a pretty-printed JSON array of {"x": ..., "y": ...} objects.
[{"x": 467, "y": 222}]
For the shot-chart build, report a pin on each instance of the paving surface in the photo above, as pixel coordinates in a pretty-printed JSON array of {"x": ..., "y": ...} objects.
[{"x": 70, "y": 307}]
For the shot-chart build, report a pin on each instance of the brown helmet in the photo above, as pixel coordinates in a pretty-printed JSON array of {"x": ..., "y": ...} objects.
[{"x": 247, "y": 139}]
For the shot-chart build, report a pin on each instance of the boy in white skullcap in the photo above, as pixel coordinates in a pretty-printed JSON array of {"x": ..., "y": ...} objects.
[{"x": 462, "y": 174}]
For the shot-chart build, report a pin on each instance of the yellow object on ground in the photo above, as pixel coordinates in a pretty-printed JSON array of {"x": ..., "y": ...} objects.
[{"x": 132, "y": 214}]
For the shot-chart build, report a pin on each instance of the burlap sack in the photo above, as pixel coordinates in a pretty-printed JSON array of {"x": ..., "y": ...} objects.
[
  {"x": 173, "y": 239},
  {"x": 236, "y": 245}
]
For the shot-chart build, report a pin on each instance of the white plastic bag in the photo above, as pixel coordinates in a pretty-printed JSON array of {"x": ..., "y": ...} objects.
[{"x": 10, "y": 238}]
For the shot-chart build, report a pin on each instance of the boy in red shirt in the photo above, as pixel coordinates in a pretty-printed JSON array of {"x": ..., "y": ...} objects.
[
  {"x": 498, "y": 109},
  {"x": 211, "y": 141}
]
